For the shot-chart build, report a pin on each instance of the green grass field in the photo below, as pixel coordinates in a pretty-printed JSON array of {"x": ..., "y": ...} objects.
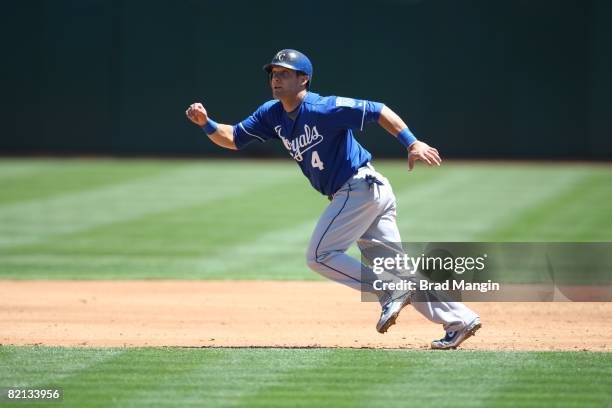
[
  {"x": 307, "y": 378},
  {"x": 211, "y": 219},
  {"x": 111, "y": 219}
]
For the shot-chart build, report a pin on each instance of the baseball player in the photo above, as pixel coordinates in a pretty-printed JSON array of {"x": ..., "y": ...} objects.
[{"x": 317, "y": 132}]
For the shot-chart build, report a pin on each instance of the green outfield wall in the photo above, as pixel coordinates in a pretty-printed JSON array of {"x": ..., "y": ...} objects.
[{"x": 479, "y": 79}]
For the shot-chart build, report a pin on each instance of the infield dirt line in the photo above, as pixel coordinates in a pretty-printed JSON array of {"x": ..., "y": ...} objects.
[{"x": 265, "y": 314}]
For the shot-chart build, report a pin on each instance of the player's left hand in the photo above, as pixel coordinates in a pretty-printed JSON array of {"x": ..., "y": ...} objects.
[{"x": 422, "y": 151}]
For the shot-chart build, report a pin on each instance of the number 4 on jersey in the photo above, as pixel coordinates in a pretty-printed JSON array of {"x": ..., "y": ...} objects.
[{"x": 316, "y": 161}]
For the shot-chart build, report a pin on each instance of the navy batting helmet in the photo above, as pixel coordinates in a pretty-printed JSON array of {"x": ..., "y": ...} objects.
[{"x": 291, "y": 59}]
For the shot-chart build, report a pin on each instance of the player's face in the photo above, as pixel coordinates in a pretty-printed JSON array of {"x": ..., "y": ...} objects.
[{"x": 286, "y": 82}]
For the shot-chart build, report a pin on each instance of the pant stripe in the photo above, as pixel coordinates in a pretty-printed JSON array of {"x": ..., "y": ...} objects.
[{"x": 325, "y": 232}]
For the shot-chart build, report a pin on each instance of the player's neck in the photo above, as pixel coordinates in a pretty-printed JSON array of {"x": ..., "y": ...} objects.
[{"x": 292, "y": 102}]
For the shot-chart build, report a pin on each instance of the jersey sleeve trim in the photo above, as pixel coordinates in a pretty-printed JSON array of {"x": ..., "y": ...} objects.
[
  {"x": 363, "y": 116},
  {"x": 261, "y": 139}
]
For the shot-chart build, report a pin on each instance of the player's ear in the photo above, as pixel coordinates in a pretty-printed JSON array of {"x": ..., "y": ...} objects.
[{"x": 304, "y": 79}]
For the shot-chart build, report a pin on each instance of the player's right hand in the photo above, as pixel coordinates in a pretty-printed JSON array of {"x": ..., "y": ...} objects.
[{"x": 197, "y": 114}]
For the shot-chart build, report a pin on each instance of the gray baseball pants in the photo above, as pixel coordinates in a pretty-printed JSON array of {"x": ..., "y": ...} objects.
[{"x": 363, "y": 210}]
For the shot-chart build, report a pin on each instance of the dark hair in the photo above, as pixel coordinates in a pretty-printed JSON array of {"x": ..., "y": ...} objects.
[{"x": 307, "y": 83}]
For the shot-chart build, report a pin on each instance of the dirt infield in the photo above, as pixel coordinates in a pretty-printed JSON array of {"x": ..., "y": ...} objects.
[{"x": 268, "y": 314}]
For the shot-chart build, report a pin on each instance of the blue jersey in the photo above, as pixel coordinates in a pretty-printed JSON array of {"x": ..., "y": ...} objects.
[{"x": 320, "y": 139}]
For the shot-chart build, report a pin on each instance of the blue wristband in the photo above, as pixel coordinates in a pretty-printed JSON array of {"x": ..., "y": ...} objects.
[
  {"x": 406, "y": 137},
  {"x": 210, "y": 127}
]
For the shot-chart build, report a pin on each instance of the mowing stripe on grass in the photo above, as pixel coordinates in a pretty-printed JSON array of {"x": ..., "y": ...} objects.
[
  {"x": 230, "y": 379},
  {"x": 578, "y": 212},
  {"x": 556, "y": 379},
  {"x": 140, "y": 378},
  {"x": 54, "y": 178},
  {"x": 472, "y": 202},
  {"x": 161, "y": 377},
  {"x": 391, "y": 378},
  {"x": 427, "y": 381},
  {"x": 347, "y": 379},
  {"x": 44, "y": 366},
  {"x": 34, "y": 221}
]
